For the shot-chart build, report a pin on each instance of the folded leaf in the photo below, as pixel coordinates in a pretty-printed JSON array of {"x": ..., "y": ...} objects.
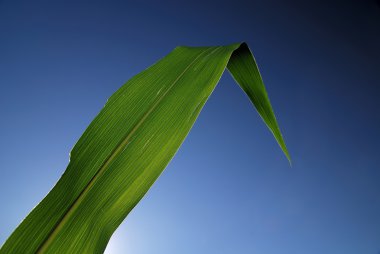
[{"x": 128, "y": 145}]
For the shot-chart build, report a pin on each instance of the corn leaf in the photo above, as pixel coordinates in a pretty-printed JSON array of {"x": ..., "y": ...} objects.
[{"x": 128, "y": 145}]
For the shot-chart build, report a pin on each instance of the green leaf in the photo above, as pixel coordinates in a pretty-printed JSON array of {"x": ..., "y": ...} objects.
[
  {"x": 128, "y": 145},
  {"x": 243, "y": 68}
]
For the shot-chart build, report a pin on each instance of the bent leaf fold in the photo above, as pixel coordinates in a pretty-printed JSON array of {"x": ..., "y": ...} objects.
[{"x": 128, "y": 145}]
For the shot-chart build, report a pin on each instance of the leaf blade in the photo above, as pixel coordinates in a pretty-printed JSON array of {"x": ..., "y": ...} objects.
[
  {"x": 243, "y": 68},
  {"x": 121, "y": 154}
]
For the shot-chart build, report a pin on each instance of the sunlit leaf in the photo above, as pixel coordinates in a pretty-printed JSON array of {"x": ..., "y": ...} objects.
[{"x": 128, "y": 145}]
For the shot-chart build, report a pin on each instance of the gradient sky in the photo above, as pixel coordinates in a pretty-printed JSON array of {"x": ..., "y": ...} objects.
[{"x": 229, "y": 189}]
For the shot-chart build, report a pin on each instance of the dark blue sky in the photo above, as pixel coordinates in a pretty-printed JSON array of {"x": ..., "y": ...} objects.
[{"x": 229, "y": 189}]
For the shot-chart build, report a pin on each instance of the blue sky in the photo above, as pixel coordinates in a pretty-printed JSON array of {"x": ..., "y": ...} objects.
[{"x": 229, "y": 189}]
